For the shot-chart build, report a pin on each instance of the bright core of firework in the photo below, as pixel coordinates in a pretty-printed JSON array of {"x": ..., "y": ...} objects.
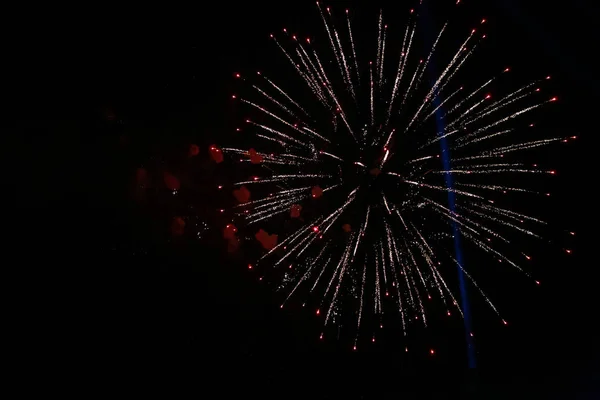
[{"x": 374, "y": 238}]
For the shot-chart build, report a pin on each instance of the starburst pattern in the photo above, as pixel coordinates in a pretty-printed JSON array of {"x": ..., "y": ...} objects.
[{"x": 357, "y": 180}]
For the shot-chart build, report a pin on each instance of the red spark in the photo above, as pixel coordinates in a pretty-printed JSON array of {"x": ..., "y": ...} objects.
[
  {"x": 507, "y": 69},
  {"x": 354, "y": 348},
  {"x": 504, "y": 322},
  {"x": 249, "y": 266},
  {"x": 568, "y": 251},
  {"x": 237, "y": 75},
  {"x": 432, "y": 352},
  {"x": 315, "y": 229},
  {"x": 318, "y": 311},
  {"x": 483, "y": 21},
  {"x": 537, "y": 283},
  {"x": 554, "y": 99}
]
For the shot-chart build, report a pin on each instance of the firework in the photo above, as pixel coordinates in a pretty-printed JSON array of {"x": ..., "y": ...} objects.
[{"x": 349, "y": 171}]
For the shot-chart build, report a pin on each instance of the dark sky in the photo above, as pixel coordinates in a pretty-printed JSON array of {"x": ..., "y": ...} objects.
[{"x": 101, "y": 92}]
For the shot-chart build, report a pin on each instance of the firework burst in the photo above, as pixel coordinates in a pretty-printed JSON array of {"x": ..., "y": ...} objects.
[{"x": 354, "y": 175}]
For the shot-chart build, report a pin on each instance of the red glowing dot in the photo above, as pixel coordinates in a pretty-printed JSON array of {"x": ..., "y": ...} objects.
[
  {"x": 471, "y": 334},
  {"x": 412, "y": 10},
  {"x": 553, "y": 172},
  {"x": 406, "y": 349},
  {"x": 537, "y": 282},
  {"x": 537, "y": 89},
  {"x": 548, "y": 77},
  {"x": 429, "y": 297},
  {"x": 315, "y": 229},
  {"x": 572, "y": 233},
  {"x": 554, "y": 99},
  {"x": 354, "y": 348},
  {"x": 285, "y": 30},
  {"x": 448, "y": 313},
  {"x": 327, "y": 9},
  {"x": 573, "y": 137},
  {"x": 220, "y": 187},
  {"x": 483, "y": 21},
  {"x": 527, "y": 257},
  {"x": 432, "y": 352},
  {"x": 233, "y": 97},
  {"x": 271, "y": 35},
  {"x": 318, "y": 312},
  {"x": 308, "y": 40},
  {"x": 255, "y": 178},
  {"x": 488, "y": 96},
  {"x": 321, "y": 336},
  {"x": 249, "y": 266},
  {"x": 237, "y": 75},
  {"x": 385, "y": 26},
  {"x": 370, "y": 62},
  {"x": 568, "y": 251},
  {"x": 507, "y": 69},
  {"x": 222, "y": 211},
  {"x": 321, "y": 237},
  {"x": 547, "y": 194},
  {"x": 373, "y": 340},
  {"x": 387, "y": 294},
  {"x": 294, "y": 37},
  {"x": 504, "y": 322},
  {"x": 473, "y": 31},
  {"x": 346, "y": 11},
  {"x": 281, "y": 306},
  {"x": 237, "y": 129}
]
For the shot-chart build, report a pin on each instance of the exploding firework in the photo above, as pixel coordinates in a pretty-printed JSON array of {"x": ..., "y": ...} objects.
[{"x": 349, "y": 186}]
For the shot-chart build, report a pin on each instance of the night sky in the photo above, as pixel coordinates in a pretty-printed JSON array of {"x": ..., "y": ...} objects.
[{"x": 97, "y": 96}]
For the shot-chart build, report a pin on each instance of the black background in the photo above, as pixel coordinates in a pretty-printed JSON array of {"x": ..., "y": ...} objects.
[{"x": 96, "y": 93}]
